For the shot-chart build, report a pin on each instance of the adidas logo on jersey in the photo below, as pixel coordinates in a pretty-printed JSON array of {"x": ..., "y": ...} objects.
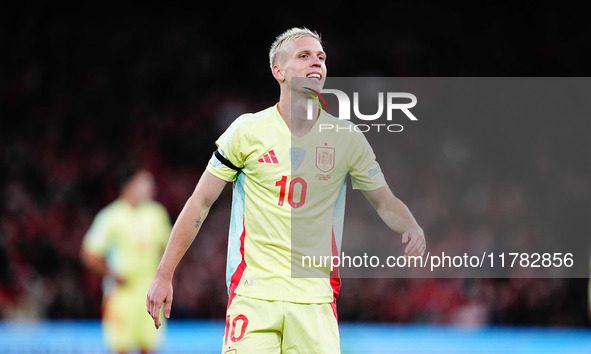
[{"x": 269, "y": 158}]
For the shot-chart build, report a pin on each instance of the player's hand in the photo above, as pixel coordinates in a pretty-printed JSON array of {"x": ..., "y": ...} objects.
[
  {"x": 119, "y": 280},
  {"x": 160, "y": 292},
  {"x": 414, "y": 239}
]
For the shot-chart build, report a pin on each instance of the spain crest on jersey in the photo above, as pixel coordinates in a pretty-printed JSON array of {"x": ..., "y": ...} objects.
[{"x": 325, "y": 158}]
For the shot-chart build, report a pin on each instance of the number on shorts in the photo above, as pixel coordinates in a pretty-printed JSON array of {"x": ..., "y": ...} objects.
[{"x": 231, "y": 330}]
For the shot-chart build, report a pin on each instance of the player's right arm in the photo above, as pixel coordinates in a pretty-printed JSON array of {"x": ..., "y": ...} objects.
[{"x": 183, "y": 233}]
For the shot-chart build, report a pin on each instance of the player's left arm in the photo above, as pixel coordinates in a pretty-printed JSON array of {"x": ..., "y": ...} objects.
[
  {"x": 398, "y": 218},
  {"x": 98, "y": 264}
]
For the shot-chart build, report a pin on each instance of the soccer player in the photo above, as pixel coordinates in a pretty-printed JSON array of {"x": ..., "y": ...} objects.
[
  {"x": 284, "y": 173},
  {"x": 124, "y": 245}
]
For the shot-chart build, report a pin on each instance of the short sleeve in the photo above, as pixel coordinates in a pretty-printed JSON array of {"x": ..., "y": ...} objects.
[
  {"x": 365, "y": 171},
  {"x": 228, "y": 145},
  {"x": 96, "y": 240}
]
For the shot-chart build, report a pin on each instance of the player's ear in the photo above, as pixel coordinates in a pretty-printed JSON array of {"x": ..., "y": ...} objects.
[{"x": 278, "y": 73}]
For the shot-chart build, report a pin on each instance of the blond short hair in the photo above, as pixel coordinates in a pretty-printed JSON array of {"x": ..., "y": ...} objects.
[{"x": 281, "y": 41}]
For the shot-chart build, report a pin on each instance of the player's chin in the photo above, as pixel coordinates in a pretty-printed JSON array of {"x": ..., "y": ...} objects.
[
  {"x": 314, "y": 83},
  {"x": 304, "y": 84}
]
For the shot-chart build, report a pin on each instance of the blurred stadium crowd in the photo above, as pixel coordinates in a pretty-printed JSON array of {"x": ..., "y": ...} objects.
[{"x": 84, "y": 89}]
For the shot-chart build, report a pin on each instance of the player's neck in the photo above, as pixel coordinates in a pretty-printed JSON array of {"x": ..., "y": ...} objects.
[
  {"x": 293, "y": 108},
  {"x": 129, "y": 200}
]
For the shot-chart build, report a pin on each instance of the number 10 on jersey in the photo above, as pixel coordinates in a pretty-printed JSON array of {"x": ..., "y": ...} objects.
[{"x": 296, "y": 194}]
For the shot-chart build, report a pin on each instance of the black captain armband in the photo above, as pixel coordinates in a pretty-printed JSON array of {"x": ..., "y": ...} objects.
[{"x": 225, "y": 161}]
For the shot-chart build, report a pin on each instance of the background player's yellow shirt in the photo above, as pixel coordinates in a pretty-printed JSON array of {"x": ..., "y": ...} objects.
[
  {"x": 288, "y": 187},
  {"x": 131, "y": 240}
]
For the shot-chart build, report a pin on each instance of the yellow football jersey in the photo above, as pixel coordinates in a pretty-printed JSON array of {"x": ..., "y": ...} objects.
[
  {"x": 288, "y": 199},
  {"x": 131, "y": 240}
]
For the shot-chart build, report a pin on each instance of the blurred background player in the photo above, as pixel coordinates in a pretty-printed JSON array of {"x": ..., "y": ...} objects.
[{"x": 124, "y": 245}]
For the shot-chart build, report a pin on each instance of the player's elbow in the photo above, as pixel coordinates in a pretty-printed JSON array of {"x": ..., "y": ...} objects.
[
  {"x": 207, "y": 190},
  {"x": 201, "y": 201},
  {"x": 381, "y": 199},
  {"x": 92, "y": 262},
  {"x": 84, "y": 258}
]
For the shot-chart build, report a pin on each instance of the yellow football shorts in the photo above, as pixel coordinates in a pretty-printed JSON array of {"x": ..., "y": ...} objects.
[
  {"x": 262, "y": 326},
  {"x": 126, "y": 323}
]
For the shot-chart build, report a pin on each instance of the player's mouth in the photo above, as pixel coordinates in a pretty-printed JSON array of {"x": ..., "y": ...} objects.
[{"x": 314, "y": 76}]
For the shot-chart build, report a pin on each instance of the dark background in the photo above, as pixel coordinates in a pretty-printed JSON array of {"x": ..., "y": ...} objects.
[{"x": 84, "y": 87}]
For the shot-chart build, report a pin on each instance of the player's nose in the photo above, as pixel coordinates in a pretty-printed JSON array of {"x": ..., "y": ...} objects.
[{"x": 316, "y": 62}]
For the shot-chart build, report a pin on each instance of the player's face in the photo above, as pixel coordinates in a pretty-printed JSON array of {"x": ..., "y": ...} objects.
[
  {"x": 143, "y": 186},
  {"x": 304, "y": 58}
]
